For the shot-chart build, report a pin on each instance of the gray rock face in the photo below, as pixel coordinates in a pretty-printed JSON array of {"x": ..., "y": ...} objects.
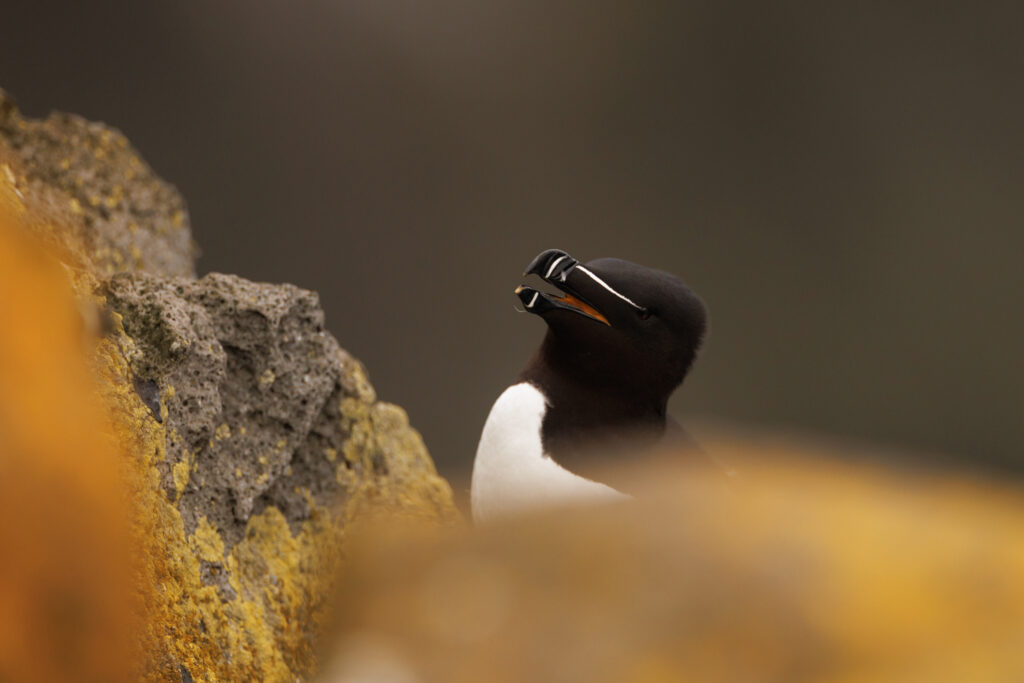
[{"x": 250, "y": 387}]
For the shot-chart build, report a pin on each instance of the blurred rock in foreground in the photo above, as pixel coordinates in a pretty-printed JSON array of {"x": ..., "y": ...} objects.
[
  {"x": 250, "y": 440},
  {"x": 68, "y": 611},
  {"x": 798, "y": 568}
]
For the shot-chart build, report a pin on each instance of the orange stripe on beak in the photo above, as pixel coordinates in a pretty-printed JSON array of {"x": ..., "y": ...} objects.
[{"x": 584, "y": 307}]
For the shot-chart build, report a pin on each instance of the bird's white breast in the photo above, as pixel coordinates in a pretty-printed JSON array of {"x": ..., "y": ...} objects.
[{"x": 512, "y": 473}]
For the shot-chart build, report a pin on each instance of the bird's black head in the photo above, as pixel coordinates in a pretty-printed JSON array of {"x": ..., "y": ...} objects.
[{"x": 618, "y": 324}]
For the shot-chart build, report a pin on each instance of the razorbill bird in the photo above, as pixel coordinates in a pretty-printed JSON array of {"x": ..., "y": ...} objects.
[{"x": 619, "y": 341}]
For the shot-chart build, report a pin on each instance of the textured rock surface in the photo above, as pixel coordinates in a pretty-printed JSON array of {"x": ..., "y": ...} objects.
[
  {"x": 252, "y": 439},
  {"x": 242, "y": 511},
  {"x": 121, "y": 216},
  {"x": 258, "y": 400}
]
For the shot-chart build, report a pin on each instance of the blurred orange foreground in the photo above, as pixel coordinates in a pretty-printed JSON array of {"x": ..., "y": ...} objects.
[
  {"x": 65, "y": 566},
  {"x": 801, "y": 568}
]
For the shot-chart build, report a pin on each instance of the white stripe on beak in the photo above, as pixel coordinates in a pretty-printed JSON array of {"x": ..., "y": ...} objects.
[
  {"x": 608, "y": 287},
  {"x": 551, "y": 268}
]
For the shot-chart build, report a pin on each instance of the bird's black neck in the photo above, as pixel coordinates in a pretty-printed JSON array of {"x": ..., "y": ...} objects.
[{"x": 589, "y": 410}]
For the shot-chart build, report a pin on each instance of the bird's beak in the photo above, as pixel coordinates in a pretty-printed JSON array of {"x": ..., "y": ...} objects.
[{"x": 554, "y": 266}]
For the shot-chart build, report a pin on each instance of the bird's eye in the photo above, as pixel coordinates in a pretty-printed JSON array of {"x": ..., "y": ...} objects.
[{"x": 645, "y": 313}]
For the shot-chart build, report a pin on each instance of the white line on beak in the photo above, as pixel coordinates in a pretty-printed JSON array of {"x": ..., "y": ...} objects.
[{"x": 608, "y": 287}]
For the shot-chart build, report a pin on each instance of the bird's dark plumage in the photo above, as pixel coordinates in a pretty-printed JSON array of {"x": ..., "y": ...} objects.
[{"x": 619, "y": 342}]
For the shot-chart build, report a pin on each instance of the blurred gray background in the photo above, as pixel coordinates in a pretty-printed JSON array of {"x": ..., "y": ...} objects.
[{"x": 841, "y": 183}]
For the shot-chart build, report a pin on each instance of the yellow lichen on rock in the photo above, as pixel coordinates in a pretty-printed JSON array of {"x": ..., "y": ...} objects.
[
  {"x": 206, "y": 542},
  {"x": 180, "y": 472}
]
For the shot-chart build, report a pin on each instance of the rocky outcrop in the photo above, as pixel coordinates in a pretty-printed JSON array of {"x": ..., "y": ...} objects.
[
  {"x": 263, "y": 441},
  {"x": 119, "y": 215},
  {"x": 259, "y": 402},
  {"x": 254, "y": 440}
]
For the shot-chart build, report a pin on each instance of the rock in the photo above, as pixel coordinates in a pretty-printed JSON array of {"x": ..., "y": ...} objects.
[
  {"x": 119, "y": 215},
  {"x": 252, "y": 441},
  {"x": 270, "y": 444},
  {"x": 259, "y": 402}
]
